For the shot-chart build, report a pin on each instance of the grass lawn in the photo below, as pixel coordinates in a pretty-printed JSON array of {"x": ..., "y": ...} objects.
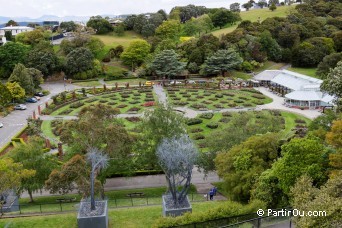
[
  {"x": 88, "y": 84},
  {"x": 306, "y": 71},
  {"x": 139, "y": 217},
  {"x": 47, "y": 130},
  {"x": 255, "y": 15},
  {"x": 290, "y": 121},
  {"x": 113, "y": 40}
]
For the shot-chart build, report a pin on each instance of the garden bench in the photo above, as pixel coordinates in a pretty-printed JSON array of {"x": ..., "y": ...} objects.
[
  {"x": 61, "y": 200},
  {"x": 135, "y": 194}
]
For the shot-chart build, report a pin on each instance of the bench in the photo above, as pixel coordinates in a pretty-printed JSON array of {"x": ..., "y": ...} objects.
[
  {"x": 135, "y": 194},
  {"x": 61, "y": 200}
]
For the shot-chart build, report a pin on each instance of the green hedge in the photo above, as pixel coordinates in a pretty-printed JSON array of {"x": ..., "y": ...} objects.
[{"x": 229, "y": 209}]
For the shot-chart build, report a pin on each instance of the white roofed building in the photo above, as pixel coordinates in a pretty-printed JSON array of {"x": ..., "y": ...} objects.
[
  {"x": 300, "y": 91},
  {"x": 15, "y": 30}
]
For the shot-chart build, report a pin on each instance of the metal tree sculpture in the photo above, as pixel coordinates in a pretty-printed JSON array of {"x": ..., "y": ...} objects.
[
  {"x": 98, "y": 161},
  {"x": 177, "y": 157}
]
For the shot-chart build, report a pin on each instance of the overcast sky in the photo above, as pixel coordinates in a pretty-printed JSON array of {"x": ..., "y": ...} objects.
[{"x": 37, "y": 8}]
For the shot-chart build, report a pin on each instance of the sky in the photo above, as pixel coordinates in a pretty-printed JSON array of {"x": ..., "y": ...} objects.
[{"x": 37, "y": 8}]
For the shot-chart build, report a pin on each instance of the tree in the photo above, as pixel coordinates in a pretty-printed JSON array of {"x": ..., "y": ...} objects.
[
  {"x": 334, "y": 138},
  {"x": 12, "y": 175},
  {"x": 119, "y": 30},
  {"x": 74, "y": 174},
  {"x": 222, "y": 61},
  {"x": 5, "y": 95},
  {"x": 98, "y": 161},
  {"x": 262, "y": 3},
  {"x": 8, "y": 35},
  {"x": 223, "y": 16},
  {"x": 31, "y": 156},
  {"x": 12, "y": 23},
  {"x": 17, "y": 92},
  {"x": 11, "y": 54},
  {"x": 306, "y": 197},
  {"x": 160, "y": 123},
  {"x": 270, "y": 46},
  {"x": 135, "y": 53},
  {"x": 36, "y": 76},
  {"x": 166, "y": 64},
  {"x": 31, "y": 37},
  {"x": 79, "y": 60},
  {"x": 169, "y": 29},
  {"x": 273, "y": 7},
  {"x": 333, "y": 83},
  {"x": 95, "y": 45},
  {"x": 235, "y": 7},
  {"x": 301, "y": 156},
  {"x": 177, "y": 157},
  {"x": 100, "y": 25},
  {"x": 328, "y": 62},
  {"x": 44, "y": 60},
  {"x": 148, "y": 30},
  {"x": 247, "y": 5},
  {"x": 68, "y": 26},
  {"x": 241, "y": 166},
  {"x": 163, "y": 13},
  {"x": 97, "y": 127},
  {"x": 22, "y": 76}
]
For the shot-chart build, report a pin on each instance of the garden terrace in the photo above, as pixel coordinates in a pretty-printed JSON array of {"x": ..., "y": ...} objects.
[{"x": 201, "y": 99}]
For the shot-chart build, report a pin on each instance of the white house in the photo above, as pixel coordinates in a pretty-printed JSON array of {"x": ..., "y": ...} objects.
[
  {"x": 15, "y": 30},
  {"x": 300, "y": 91}
]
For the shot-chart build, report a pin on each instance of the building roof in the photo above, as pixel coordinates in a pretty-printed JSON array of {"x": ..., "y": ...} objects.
[
  {"x": 267, "y": 75},
  {"x": 16, "y": 28},
  {"x": 309, "y": 96},
  {"x": 295, "y": 81}
]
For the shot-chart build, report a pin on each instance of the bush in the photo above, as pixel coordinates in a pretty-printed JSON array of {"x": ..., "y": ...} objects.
[
  {"x": 149, "y": 104},
  {"x": 180, "y": 103},
  {"x": 198, "y": 136},
  {"x": 196, "y": 130},
  {"x": 212, "y": 125},
  {"x": 133, "y": 119},
  {"x": 122, "y": 106},
  {"x": 194, "y": 121},
  {"x": 213, "y": 99},
  {"x": 239, "y": 101},
  {"x": 149, "y": 99},
  {"x": 65, "y": 112},
  {"x": 258, "y": 96},
  {"x": 76, "y": 104},
  {"x": 103, "y": 101},
  {"x": 134, "y": 109},
  {"x": 199, "y": 97},
  {"x": 198, "y": 106},
  {"x": 207, "y": 115},
  {"x": 112, "y": 103},
  {"x": 134, "y": 102},
  {"x": 224, "y": 120},
  {"x": 229, "y": 94},
  {"x": 227, "y": 114},
  {"x": 186, "y": 95},
  {"x": 219, "y": 95},
  {"x": 218, "y": 106}
]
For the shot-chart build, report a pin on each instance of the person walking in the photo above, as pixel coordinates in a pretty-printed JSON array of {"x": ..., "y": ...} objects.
[{"x": 211, "y": 194}]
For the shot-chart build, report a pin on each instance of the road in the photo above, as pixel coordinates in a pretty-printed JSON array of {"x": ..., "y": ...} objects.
[{"x": 17, "y": 119}]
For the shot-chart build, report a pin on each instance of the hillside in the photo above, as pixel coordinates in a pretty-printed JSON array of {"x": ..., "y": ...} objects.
[{"x": 256, "y": 14}]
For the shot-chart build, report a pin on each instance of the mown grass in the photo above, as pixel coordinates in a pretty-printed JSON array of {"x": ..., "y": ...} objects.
[
  {"x": 306, "y": 71},
  {"x": 112, "y": 40},
  {"x": 138, "y": 217},
  {"x": 255, "y": 15},
  {"x": 290, "y": 121},
  {"x": 88, "y": 83}
]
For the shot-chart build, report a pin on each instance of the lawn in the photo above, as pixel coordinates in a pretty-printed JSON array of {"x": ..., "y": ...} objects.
[
  {"x": 290, "y": 123},
  {"x": 255, "y": 15},
  {"x": 88, "y": 83},
  {"x": 113, "y": 40},
  {"x": 306, "y": 71},
  {"x": 139, "y": 217}
]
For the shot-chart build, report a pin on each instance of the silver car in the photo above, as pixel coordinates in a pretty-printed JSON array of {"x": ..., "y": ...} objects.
[
  {"x": 20, "y": 107},
  {"x": 1, "y": 125}
]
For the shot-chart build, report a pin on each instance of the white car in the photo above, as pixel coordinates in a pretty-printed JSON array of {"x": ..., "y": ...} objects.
[
  {"x": 20, "y": 107},
  {"x": 175, "y": 82},
  {"x": 1, "y": 125}
]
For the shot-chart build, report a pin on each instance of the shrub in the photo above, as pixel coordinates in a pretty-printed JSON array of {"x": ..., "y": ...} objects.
[
  {"x": 192, "y": 99},
  {"x": 199, "y": 97},
  {"x": 212, "y": 125},
  {"x": 112, "y": 103},
  {"x": 239, "y": 101},
  {"x": 187, "y": 95},
  {"x": 136, "y": 94},
  {"x": 219, "y": 95},
  {"x": 257, "y": 102},
  {"x": 180, "y": 103},
  {"x": 198, "y": 136},
  {"x": 122, "y": 106},
  {"x": 243, "y": 98},
  {"x": 134, "y": 109},
  {"x": 229, "y": 94},
  {"x": 218, "y": 106},
  {"x": 198, "y": 106},
  {"x": 207, "y": 102},
  {"x": 134, "y": 102},
  {"x": 224, "y": 120},
  {"x": 227, "y": 114},
  {"x": 149, "y": 99},
  {"x": 149, "y": 104},
  {"x": 103, "y": 101},
  {"x": 207, "y": 115},
  {"x": 196, "y": 130},
  {"x": 133, "y": 119},
  {"x": 213, "y": 99},
  {"x": 258, "y": 96},
  {"x": 194, "y": 121},
  {"x": 125, "y": 95},
  {"x": 76, "y": 104}
]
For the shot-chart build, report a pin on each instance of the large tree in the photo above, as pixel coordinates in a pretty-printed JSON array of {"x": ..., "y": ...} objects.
[
  {"x": 21, "y": 75},
  {"x": 135, "y": 53},
  {"x": 333, "y": 83},
  {"x": 235, "y": 7},
  {"x": 11, "y": 54},
  {"x": 223, "y": 16},
  {"x": 68, "y": 26},
  {"x": 79, "y": 60},
  {"x": 169, "y": 29},
  {"x": 301, "y": 156},
  {"x": 328, "y": 62},
  {"x": 241, "y": 166},
  {"x": 5, "y": 95},
  {"x": 17, "y": 92},
  {"x": 222, "y": 61},
  {"x": 166, "y": 64},
  {"x": 31, "y": 155},
  {"x": 100, "y": 25},
  {"x": 44, "y": 60}
]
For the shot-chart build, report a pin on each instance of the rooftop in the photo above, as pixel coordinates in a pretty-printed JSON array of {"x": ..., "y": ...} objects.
[{"x": 15, "y": 28}]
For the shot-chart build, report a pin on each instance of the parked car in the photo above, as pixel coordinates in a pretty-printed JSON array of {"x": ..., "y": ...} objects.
[
  {"x": 39, "y": 94},
  {"x": 191, "y": 82},
  {"x": 173, "y": 82},
  {"x": 149, "y": 83},
  {"x": 1, "y": 125},
  {"x": 32, "y": 100},
  {"x": 20, "y": 107},
  {"x": 38, "y": 98}
]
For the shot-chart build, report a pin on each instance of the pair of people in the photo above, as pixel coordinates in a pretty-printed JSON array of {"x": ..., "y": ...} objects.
[{"x": 212, "y": 193}]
